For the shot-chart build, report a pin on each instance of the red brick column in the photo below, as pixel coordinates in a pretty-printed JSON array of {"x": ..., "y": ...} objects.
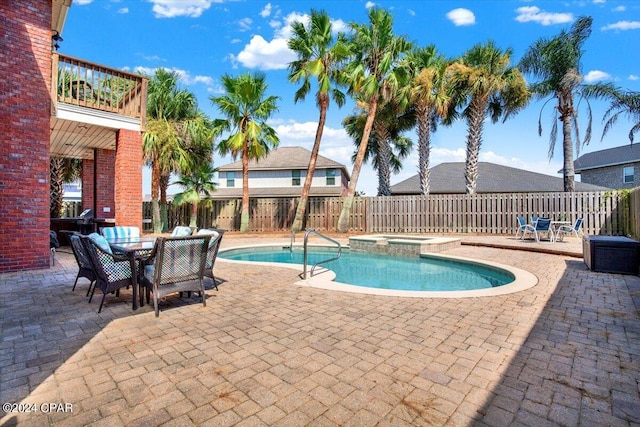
[
  {"x": 128, "y": 182},
  {"x": 25, "y": 111},
  {"x": 105, "y": 161},
  {"x": 88, "y": 171}
]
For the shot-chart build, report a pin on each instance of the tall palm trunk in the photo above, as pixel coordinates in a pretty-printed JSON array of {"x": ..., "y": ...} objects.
[
  {"x": 424, "y": 120},
  {"x": 193, "y": 221},
  {"x": 56, "y": 186},
  {"x": 302, "y": 204},
  {"x": 384, "y": 159},
  {"x": 345, "y": 214},
  {"x": 565, "y": 108},
  {"x": 244, "y": 214},
  {"x": 155, "y": 196},
  {"x": 475, "y": 123},
  {"x": 164, "y": 216}
]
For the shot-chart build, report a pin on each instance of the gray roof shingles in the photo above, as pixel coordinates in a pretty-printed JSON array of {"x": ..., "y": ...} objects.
[
  {"x": 609, "y": 157},
  {"x": 286, "y": 158},
  {"x": 448, "y": 178}
]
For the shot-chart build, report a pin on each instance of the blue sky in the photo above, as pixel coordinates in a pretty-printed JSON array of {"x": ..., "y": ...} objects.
[{"x": 203, "y": 39}]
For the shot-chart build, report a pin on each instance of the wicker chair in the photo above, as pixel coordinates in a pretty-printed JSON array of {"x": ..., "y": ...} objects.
[
  {"x": 112, "y": 271},
  {"x": 85, "y": 268},
  {"x": 176, "y": 264},
  {"x": 212, "y": 251}
]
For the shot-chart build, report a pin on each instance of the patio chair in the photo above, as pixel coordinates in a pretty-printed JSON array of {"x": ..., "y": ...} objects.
[
  {"x": 85, "y": 268},
  {"x": 119, "y": 232},
  {"x": 522, "y": 226},
  {"x": 112, "y": 271},
  {"x": 181, "y": 231},
  {"x": 542, "y": 225},
  {"x": 212, "y": 251},
  {"x": 176, "y": 264},
  {"x": 567, "y": 229}
]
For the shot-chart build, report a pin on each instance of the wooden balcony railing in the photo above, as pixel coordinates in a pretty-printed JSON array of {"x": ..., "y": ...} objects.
[{"x": 89, "y": 85}]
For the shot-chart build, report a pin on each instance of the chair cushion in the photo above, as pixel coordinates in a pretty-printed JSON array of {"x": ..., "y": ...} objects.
[
  {"x": 181, "y": 231},
  {"x": 101, "y": 241}
]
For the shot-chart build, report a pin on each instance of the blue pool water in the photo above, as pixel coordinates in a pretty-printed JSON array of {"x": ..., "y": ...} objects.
[{"x": 386, "y": 272}]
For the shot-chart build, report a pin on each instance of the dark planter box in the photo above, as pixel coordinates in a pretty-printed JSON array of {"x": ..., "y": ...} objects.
[{"x": 611, "y": 254}]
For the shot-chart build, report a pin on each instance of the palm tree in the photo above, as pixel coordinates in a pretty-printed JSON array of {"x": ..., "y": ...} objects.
[
  {"x": 556, "y": 62},
  {"x": 623, "y": 104},
  {"x": 173, "y": 116},
  {"x": 387, "y": 145},
  {"x": 62, "y": 170},
  {"x": 197, "y": 184},
  {"x": 432, "y": 98},
  {"x": 320, "y": 57},
  {"x": 493, "y": 89},
  {"x": 246, "y": 110},
  {"x": 372, "y": 75}
]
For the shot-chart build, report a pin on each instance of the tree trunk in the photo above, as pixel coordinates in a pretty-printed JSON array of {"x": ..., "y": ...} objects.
[
  {"x": 565, "y": 108},
  {"x": 193, "y": 221},
  {"x": 302, "y": 204},
  {"x": 474, "y": 140},
  {"x": 384, "y": 159},
  {"x": 164, "y": 217},
  {"x": 567, "y": 150},
  {"x": 244, "y": 213},
  {"x": 424, "y": 147},
  {"x": 345, "y": 214},
  {"x": 56, "y": 187},
  {"x": 155, "y": 196}
]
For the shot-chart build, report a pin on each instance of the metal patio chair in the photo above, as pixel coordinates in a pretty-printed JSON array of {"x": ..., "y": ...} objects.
[{"x": 176, "y": 264}]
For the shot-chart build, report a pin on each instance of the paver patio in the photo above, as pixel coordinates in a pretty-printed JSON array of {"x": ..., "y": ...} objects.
[{"x": 264, "y": 352}]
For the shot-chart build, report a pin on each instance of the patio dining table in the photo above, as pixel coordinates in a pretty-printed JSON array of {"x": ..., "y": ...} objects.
[{"x": 136, "y": 249}]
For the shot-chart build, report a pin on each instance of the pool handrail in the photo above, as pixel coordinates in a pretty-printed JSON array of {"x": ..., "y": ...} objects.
[{"x": 306, "y": 238}]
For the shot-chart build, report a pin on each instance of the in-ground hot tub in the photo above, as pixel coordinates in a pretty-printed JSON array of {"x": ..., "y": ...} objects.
[{"x": 402, "y": 244}]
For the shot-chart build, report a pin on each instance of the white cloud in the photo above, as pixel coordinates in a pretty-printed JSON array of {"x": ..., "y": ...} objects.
[
  {"x": 461, "y": 17},
  {"x": 596, "y": 76},
  {"x": 183, "y": 77},
  {"x": 622, "y": 26},
  {"x": 245, "y": 24},
  {"x": 369, "y": 4},
  {"x": 599, "y": 1},
  {"x": 535, "y": 14},
  {"x": 411, "y": 12},
  {"x": 619, "y": 9},
  {"x": 234, "y": 41},
  {"x": 123, "y": 10},
  {"x": 266, "y": 11},
  {"x": 633, "y": 77},
  {"x": 81, "y": 2},
  {"x": 273, "y": 55},
  {"x": 173, "y": 8}
]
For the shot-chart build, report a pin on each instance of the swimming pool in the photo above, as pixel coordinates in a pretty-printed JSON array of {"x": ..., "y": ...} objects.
[{"x": 363, "y": 272}]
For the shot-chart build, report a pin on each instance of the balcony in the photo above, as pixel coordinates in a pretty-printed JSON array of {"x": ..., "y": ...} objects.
[{"x": 90, "y": 102}]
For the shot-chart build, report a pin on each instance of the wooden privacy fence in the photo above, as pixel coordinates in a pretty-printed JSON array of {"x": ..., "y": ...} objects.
[{"x": 609, "y": 213}]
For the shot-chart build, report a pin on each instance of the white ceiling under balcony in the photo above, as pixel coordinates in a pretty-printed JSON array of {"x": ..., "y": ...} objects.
[
  {"x": 77, "y": 139},
  {"x": 76, "y": 131}
]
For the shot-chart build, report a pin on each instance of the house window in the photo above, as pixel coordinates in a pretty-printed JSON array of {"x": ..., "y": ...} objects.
[
  {"x": 627, "y": 175},
  {"x": 231, "y": 179},
  {"x": 331, "y": 177},
  {"x": 295, "y": 178}
]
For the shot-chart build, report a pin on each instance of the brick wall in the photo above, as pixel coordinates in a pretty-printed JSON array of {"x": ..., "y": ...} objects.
[
  {"x": 88, "y": 169},
  {"x": 611, "y": 177},
  {"x": 25, "y": 110},
  {"x": 128, "y": 183},
  {"x": 105, "y": 161}
]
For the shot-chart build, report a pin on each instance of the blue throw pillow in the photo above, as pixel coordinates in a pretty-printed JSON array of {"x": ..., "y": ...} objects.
[{"x": 101, "y": 241}]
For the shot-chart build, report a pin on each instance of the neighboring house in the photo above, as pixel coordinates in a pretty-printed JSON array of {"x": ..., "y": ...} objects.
[
  {"x": 617, "y": 167},
  {"x": 52, "y": 104},
  {"x": 282, "y": 174},
  {"x": 448, "y": 178}
]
